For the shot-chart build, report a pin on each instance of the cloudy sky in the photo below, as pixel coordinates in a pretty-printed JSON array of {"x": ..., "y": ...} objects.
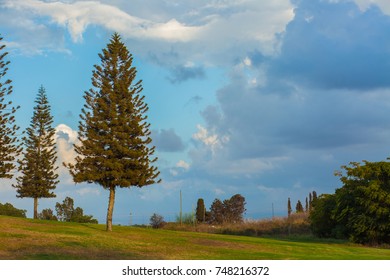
[{"x": 262, "y": 98}]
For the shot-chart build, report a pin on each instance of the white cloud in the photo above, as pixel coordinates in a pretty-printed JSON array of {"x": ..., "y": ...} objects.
[
  {"x": 265, "y": 189},
  {"x": 383, "y": 4},
  {"x": 88, "y": 191},
  {"x": 173, "y": 33},
  {"x": 64, "y": 129},
  {"x": 183, "y": 164},
  {"x": 219, "y": 191},
  {"x": 65, "y": 138},
  {"x": 247, "y": 62},
  {"x": 211, "y": 140},
  {"x": 77, "y": 16}
]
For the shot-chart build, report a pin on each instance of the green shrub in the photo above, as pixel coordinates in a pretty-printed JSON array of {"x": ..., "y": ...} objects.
[{"x": 8, "y": 209}]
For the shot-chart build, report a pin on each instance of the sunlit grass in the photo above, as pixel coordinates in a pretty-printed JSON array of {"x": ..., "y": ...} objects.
[{"x": 30, "y": 239}]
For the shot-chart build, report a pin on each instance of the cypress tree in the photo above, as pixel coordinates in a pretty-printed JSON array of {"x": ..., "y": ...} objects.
[
  {"x": 314, "y": 197},
  {"x": 115, "y": 145},
  {"x": 200, "y": 210},
  {"x": 38, "y": 177},
  {"x": 10, "y": 147},
  {"x": 299, "y": 207},
  {"x": 289, "y": 209},
  {"x": 306, "y": 206}
]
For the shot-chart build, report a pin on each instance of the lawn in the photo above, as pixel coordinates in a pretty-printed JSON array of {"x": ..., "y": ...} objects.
[{"x": 33, "y": 239}]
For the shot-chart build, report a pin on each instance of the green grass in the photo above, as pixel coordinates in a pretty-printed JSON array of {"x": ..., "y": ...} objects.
[{"x": 33, "y": 239}]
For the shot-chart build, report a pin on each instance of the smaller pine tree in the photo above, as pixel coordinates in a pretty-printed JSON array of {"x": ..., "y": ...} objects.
[
  {"x": 289, "y": 209},
  {"x": 10, "y": 146},
  {"x": 38, "y": 178}
]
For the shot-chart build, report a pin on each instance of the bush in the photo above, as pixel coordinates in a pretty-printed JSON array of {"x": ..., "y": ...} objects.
[
  {"x": 67, "y": 213},
  {"x": 47, "y": 214},
  {"x": 8, "y": 209},
  {"x": 157, "y": 221},
  {"x": 321, "y": 217},
  {"x": 359, "y": 210}
]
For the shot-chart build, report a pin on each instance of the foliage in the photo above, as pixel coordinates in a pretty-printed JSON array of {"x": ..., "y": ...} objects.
[
  {"x": 65, "y": 209},
  {"x": 363, "y": 204},
  {"x": 314, "y": 196},
  {"x": 8, "y": 209},
  {"x": 321, "y": 219},
  {"x": 229, "y": 211},
  {"x": 67, "y": 213},
  {"x": 217, "y": 210},
  {"x": 157, "y": 221},
  {"x": 360, "y": 210},
  {"x": 47, "y": 214},
  {"x": 299, "y": 207},
  {"x": 115, "y": 145},
  {"x": 38, "y": 178},
  {"x": 306, "y": 205},
  {"x": 289, "y": 209},
  {"x": 79, "y": 217},
  {"x": 234, "y": 209},
  {"x": 10, "y": 147},
  {"x": 200, "y": 210}
]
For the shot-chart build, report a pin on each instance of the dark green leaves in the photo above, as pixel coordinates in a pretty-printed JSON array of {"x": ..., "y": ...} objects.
[
  {"x": 38, "y": 177},
  {"x": 114, "y": 147}
]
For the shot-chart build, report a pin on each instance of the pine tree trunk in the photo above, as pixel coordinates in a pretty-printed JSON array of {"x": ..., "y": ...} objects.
[
  {"x": 110, "y": 209},
  {"x": 35, "y": 207}
]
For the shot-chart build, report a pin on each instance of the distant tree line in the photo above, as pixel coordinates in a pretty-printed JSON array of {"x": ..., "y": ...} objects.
[
  {"x": 299, "y": 208},
  {"x": 227, "y": 211}
]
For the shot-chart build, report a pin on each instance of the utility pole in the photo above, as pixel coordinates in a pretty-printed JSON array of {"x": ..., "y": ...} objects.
[
  {"x": 181, "y": 208},
  {"x": 273, "y": 212}
]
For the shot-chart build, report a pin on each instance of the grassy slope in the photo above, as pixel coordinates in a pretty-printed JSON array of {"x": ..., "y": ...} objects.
[{"x": 29, "y": 239}]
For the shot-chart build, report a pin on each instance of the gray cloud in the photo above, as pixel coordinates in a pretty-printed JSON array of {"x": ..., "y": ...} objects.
[
  {"x": 166, "y": 140},
  {"x": 335, "y": 45},
  {"x": 291, "y": 120},
  {"x": 181, "y": 74}
]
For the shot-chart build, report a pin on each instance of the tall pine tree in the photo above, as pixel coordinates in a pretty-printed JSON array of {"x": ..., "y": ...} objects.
[
  {"x": 38, "y": 171},
  {"x": 115, "y": 145},
  {"x": 10, "y": 147}
]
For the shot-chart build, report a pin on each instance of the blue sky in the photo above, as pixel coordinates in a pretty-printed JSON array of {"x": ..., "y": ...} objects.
[{"x": 262, "y": 98}]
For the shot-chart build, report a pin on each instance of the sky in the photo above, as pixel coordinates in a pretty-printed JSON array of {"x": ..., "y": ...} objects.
[{"x": 262, "y": 98}]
